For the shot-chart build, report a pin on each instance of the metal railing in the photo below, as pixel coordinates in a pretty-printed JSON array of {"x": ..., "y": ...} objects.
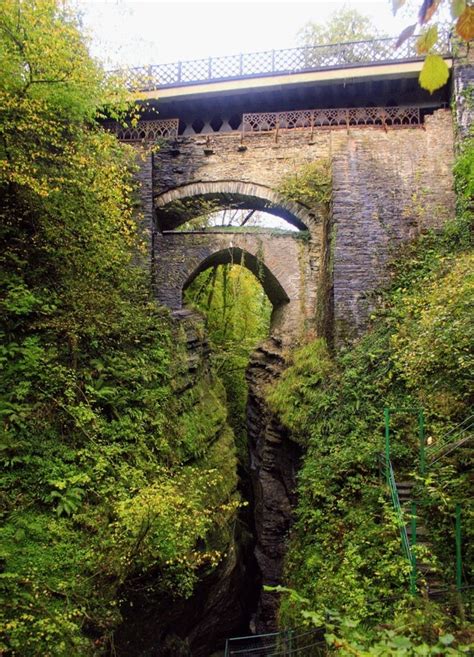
[
  {"x": 331, "y": 118},
  {"x": 287, "y": 643},
  {"x": 317, "y": 119},
  {"x": 407, "y": 546},
  {"x": 150, "y": 131},
  {"x": 458, "y": 436},
  {"x": 275, "y": 62}
]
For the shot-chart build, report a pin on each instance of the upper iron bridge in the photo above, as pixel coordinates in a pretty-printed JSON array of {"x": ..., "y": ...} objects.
[{"x": 347, "y": 84}]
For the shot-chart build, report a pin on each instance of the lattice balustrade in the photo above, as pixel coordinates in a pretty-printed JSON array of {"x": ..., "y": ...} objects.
[
  {"x": 148, "y": 130},
  {"x": 327, "y": 118},
  {"x": 197, "y": 70},
  {"x": 255, "y": 63},
  {"x": 290, "y": 60},
  {"x": 230, "y": 66}
]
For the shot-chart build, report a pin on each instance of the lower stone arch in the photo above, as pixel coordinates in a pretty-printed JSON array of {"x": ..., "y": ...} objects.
[
  {"x": 177, "y": 206},
  {"x": 237, "y": 256}
]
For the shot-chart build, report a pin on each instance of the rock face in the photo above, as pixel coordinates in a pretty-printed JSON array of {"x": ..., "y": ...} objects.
[
  {"x": 156, "y": 624},
  {"x": 274, "y": 462},
  {"x": 229, "y": 600}
]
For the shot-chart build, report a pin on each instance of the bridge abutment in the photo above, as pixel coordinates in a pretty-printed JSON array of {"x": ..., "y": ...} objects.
[{"x": 387, "y": 187}]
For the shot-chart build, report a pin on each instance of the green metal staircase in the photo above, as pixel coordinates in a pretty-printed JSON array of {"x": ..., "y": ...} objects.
[{"x": 414, "y": 530}]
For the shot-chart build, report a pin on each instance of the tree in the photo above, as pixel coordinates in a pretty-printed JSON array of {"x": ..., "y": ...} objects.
[
  {"x": 344, "y": 25},
  {"x": 96, "y": 484}
]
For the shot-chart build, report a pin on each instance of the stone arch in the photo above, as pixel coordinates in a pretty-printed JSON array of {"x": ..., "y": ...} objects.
[
  {"x": 238, "y": 256},
  {"x": 177, "y": 206}
]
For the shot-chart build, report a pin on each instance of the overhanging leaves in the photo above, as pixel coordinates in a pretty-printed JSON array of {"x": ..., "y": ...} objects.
[
  {"x": 396, "y": 4},
  {"x": 406, "y": 34},
  {"x": 427, "y": 10},
  {"x": 434, "y": 73},
  {"x": 465, "y": 24},
  {"x": 427, "y": 40},
  {"x": 457, "y": 7}
]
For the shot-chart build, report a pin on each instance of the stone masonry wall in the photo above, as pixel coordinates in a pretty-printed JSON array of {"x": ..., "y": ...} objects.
[
  {"x": 179, "y": 256},
  {"x": 387, "y": 187}
]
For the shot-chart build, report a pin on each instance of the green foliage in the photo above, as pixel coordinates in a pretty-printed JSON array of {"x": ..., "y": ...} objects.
[
  {"x": 237, "y": 313},
  {"x": 345, "y": 636},
  {"x": 344, "y": 552},
  {"x": 310, "y": 185},
  {"x": 98, "y": 486},
  {"x": 297, "y": 395}
]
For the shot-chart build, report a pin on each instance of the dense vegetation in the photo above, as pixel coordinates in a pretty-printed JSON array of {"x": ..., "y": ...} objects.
[
  {"x": 237, "y": 313},
  {"x": 98, "y": 484},
  {"x": 116, "y": 464},
  {"x": 345, "y": 552}
]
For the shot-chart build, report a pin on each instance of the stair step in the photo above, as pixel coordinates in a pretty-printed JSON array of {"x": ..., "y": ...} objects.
[
  {"x": 420, "y": 530},
  {"x": 426, "y": 568}
]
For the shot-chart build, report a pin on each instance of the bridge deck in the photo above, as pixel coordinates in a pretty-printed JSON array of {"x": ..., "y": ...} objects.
[{"x": 273, "y": 63}]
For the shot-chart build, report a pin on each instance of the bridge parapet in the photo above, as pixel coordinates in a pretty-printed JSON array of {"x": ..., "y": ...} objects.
[{"x": 275, "y": 62}]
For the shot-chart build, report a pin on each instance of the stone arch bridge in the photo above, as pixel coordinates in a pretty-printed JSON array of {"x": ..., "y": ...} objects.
[
  {"x": 279, "y": 260},
  {"x": 232, "y": 131},
  {"x": 387, "y": 187}
]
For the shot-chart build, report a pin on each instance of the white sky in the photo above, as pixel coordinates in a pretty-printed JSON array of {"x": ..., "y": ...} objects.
[{"x": 133, "y": 33}]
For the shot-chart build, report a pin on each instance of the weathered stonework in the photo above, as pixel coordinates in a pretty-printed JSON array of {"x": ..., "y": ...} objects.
[
  {"x": 463, "y": 89},
  {"x": 144, "y": 162},
  {"x": 274, "y": 463},
  {"x": 388, "y": 186},
  {"x": 283, "y": 263}
]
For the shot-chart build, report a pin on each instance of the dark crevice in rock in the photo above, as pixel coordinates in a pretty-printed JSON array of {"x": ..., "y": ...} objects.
[
  {"x": 274, "y": 462},
  {"x": 230, "y": 600}
]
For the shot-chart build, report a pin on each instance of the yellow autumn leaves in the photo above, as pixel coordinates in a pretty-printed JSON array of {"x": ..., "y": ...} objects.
[{"x": 435, "y": 71}]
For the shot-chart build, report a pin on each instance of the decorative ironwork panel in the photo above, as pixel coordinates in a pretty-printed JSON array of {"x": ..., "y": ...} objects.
[
  {"x": 290, "y": 60},
  {"x": 260, "y": 122},
  {"x": 198, "y": 70},
  {"x": 148, "y": 130},
  {"x": 230, "y": 66},
  {"x": 328, "y": 118}
]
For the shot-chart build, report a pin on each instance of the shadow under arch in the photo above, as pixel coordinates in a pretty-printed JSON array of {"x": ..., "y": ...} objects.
[
  {"x": 181, "y": 204},
  {"x": 237, "y": 256}
]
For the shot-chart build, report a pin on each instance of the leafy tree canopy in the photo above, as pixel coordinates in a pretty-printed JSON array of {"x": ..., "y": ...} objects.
[
  {"x": 345, "y": 24},
  {"x": 93, "y": 490}
]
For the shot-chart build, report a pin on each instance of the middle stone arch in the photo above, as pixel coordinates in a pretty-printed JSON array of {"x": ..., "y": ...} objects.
[
  {"x": 177, "y": 206},
  {"x": 280, "y": 261}
]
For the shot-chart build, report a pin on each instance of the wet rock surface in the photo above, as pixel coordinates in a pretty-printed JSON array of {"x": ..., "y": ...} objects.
[
  {"x": 228, "y": 601},
  {"x": 274, "y": 462}
]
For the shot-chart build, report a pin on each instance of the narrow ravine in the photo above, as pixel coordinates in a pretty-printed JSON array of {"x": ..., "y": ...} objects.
[
  {"x": 230, "y": 600},
  {"x": 274, "y": 461}
]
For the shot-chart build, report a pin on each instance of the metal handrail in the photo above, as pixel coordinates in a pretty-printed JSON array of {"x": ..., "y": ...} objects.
[
  {"x": 274, "y": 62},
  {"x": 444, "y": 450},
  {"x": 451, "y": 440},
  {"x": 275, "y": 644},
  {"x": 398, "y": 510}
]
